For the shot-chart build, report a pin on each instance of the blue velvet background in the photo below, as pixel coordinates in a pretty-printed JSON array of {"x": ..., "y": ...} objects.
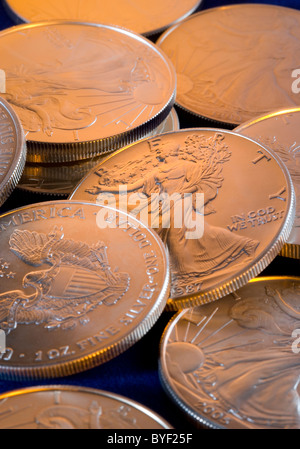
[{"x": 134, "y": 374}]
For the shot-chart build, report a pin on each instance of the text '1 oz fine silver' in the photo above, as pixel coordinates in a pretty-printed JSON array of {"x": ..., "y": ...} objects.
[{"x": 61, "y": 179}]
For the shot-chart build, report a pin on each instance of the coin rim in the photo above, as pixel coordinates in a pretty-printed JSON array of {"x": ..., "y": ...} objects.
[
  {"x": 80, "y": 389},
  {"x": 229, "y": 285},
  {"x": 197, "y": 419},
  {"x": 55, "y": 193},
  {"x": 18, "y": 18},
  {"x": 289, "y": 250},
  {"x": 100, "y": 356},
  {"x": 17, "y": 165},
  {"x": 62, "y": 152},
  {"x": 210, "y": 119}
]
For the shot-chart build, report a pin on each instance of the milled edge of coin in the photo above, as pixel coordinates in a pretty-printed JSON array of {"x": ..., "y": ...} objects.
[
  {"x": 96, "y": 358},
  {"x": 19, "y": 19},
  {"x": 58, "y": 152},
  {"x": 259, "y": 264},
  {"x": 12, "y": 177},
  {"x": 199, "y": 420},
  {"x": 174, "y": 22},
  {"x": 79, "y": 389},
  {"x": 209, "y": 119},
  {"x": 189, "y": 412},
  {"x": 171, "y": 121},
  {"x": 289, "y": 250}
]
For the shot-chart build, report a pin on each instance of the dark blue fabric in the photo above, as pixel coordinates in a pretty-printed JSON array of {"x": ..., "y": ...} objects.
[{"x": 134, "y": 374}]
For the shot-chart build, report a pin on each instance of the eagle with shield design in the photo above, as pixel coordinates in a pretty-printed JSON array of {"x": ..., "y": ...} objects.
[{"x": 78, "y": 280}]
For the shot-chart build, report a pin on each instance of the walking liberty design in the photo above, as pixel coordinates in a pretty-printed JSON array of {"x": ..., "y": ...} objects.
[
  {"x": 79, "y": 280},
  {"x": 195, "y": 167}
]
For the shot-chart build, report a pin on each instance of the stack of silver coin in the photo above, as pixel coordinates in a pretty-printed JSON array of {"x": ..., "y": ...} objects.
[{"x": 156, "y": 219}]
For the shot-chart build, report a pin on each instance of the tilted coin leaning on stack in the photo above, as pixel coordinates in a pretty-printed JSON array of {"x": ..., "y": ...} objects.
[
  {"x": 280, "y": 132},
  {"x": 247, "y": 207},
  {"x": 82, "y": 90},
  {"x": 155, "y": 219}
]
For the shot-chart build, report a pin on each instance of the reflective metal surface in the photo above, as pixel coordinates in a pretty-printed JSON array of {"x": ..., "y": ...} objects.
[
  {"x": 12, "y": 150},
  {"x": 79, "y": 284},
  {"x": 141, "y": 16},
  {"x": 81, "y": 90},
  {"x": 235, "y": 62},
  {"x": 217, "y": 245},
  {"x": 61, "y": 180},
  {"x": 280, "y": 131},
  {"x": 68, "y": 407},
  {"x": 235, "y": 364}
]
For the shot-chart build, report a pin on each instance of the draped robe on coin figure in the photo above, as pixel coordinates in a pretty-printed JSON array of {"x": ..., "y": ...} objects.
[{"x": 182, "y": 171}]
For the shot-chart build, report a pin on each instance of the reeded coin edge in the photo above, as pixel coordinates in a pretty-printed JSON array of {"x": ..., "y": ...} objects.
[
  {"x": 92, "y": 360},
  {"x": 79, "y": 389},
  {"x": 209, "y": 118},
  {"x": 258, "y": 264},
  {"x": 55, "y": 153},
  {"x": 291, "y": 251},
  {"x": 106, "y": 354},
  {"x": 197, "y": 419},
  {"x": 56, "y": 193},
  {"x": 13, "y": 176},
  {"x": 19, "y": 19},
  {"x": 62, "y": 152}
]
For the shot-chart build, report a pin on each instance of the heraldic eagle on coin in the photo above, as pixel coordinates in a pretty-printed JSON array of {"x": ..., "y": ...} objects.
[{"x": 79, "y": 280}]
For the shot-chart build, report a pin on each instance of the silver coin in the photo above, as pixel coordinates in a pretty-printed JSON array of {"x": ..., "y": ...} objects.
[
  {"x": 280, "y": 131},
  {"x": 243, "y": 218},
  {"x": 61, "y": 179},
  {"x": 12, "y": 150},
  {"x": 141, "y": 16},
  {"x": 235, "y": 364},
  {"x": 79, "y": 284},
  {"x": 68, "y": 407},
  {"x": 235, "y": 62},
  {"x": 81, "y": 89}
]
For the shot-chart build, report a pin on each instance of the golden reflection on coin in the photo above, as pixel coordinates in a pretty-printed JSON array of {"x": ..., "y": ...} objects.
[
  {"x": 141, "y": 16},
  {"x": 61, "y": 179},
  {"x": 79, "y": 284},
  {"x": 280, "y": 131},
  {"x": 60, "y": 407},
  {"x": 12, "y": 150},
  {"x": 235, "y": 364},
  {"x": 222, "y": 203},
  {"x": 235, "y": 62},
  {"x": 81, "y": 90}
]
